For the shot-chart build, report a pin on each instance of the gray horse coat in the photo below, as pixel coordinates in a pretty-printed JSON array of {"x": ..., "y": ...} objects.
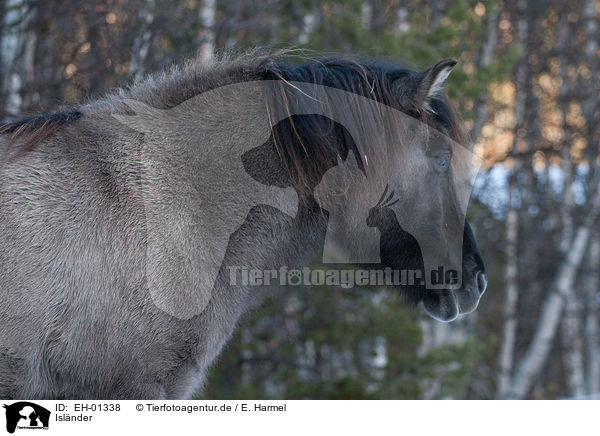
[{"x": 77, "y": 320}]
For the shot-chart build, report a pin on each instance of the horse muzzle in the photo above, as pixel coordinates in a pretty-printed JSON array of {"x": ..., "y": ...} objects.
[{"x": 446, "y": 304}]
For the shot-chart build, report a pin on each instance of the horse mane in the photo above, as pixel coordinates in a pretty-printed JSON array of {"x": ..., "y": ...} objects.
[
  {"x": 162, "y": 90},
  {"x": 319, "y": 136},
  {"x": 371, "y": 79},
  {"x": 38, "y": 127}
]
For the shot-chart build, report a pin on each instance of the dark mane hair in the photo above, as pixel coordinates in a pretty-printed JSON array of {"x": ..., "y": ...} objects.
[
  {"x": 38, "y": 127},
  {"x": 371, "y": 79}
]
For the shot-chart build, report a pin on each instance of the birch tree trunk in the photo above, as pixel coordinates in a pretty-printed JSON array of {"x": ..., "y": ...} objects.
[
  {"x": 591, "y": 282},
  {"x": 537, "y": 353},
  {"x": 366, "y": 15},
  {"x": 509, "y": 329},
  {"x": 567, "y": 168},
  {"x": 592, "y": 341},
  {"x": 402, "y": 23},
  {"x": 590, "y": 108},
  {"x": 143, "y": 40},
  {"x": 511, "y": 290},
  {"x": 18, "y": 49},
  {"x": 571, "y": 326},
  {"x": 309, "y": 23},
  {"x": 206, "y": 35},
  {"x": 572, "y": 342},
  {"x": 436, "y": 335},
  {"x": 435, "y": 7},
  {"x": 485, "y": 60}
]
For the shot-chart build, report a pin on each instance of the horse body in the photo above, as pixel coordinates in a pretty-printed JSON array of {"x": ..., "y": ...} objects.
[
  {"x": 71, "y": 276},
  {"x": 77, "y": 320}
]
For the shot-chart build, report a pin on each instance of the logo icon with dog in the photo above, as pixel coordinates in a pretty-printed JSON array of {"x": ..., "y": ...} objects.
[{"x": 26, "y": 415}]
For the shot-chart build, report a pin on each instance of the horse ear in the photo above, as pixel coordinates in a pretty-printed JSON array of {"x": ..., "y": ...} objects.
[{"x": 430, "y": 82}]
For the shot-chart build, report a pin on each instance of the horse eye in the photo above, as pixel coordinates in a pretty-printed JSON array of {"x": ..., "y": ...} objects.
[{"x": 442, "y": 160}]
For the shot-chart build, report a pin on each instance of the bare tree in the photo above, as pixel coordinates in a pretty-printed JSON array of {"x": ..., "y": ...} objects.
[
  {"x": 206, "y": 35},
  {"x": 591, "y": 286},
  {"x": 143, "y": 39},
  {"x": 591, "y": 282},
  {"x": 484, "y": 61},
  {"x": 511, "y": 290},
  {"x": 18, "y": 50},
  {"x": 537, "y": 352},
  {"x": 571, "y": 326}
]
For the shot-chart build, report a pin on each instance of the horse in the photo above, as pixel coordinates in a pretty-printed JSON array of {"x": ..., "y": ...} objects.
[{"x": 125, "y": 220}]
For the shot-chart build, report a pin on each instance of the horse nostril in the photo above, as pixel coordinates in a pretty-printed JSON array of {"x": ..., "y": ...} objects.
[{"x": 481, "y": 282}]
